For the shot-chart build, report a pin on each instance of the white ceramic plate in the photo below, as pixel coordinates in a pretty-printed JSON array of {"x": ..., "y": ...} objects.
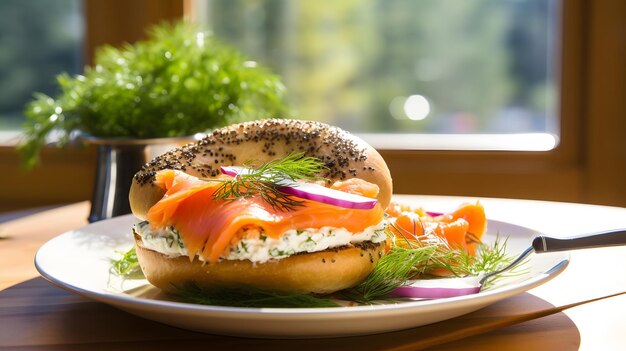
[{"x": 79, "y": 261}]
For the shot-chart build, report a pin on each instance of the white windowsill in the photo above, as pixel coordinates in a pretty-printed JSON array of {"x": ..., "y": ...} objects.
[
  {"x": 9, "y": 137},
  {"x": 390, "y": 141},
  {"x": 469, "y": 142}
]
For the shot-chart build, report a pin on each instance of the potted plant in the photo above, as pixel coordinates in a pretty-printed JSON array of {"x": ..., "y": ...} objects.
[{"x": 178, "y": 82}]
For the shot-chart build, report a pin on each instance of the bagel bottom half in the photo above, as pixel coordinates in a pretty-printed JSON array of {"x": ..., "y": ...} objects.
[{"x": 318, "y": 272}]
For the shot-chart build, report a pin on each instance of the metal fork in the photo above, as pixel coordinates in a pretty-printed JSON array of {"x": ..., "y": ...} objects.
[{"x": 544, "y": 243}]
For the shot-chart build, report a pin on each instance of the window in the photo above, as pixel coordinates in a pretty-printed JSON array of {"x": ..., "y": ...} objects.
[
  {"x": 585, "y": 101},
  {"x": 404, "y": 67},
  {"x": 39, "y": 39}
]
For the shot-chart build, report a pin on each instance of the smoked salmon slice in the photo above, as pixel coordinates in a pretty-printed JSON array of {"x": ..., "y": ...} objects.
[{"x": 208, "y": 226}]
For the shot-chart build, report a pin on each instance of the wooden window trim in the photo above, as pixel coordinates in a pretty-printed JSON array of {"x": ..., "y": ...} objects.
[
  {"x": 115, "y": 22},
  {"x": 589, "y": 165}
]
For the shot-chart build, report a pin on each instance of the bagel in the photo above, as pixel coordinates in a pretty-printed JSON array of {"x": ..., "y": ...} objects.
[
  {"x": 187, "y": 236},
  {"x": 344, "y": 155},
  {"x": 319, "y": 272}
]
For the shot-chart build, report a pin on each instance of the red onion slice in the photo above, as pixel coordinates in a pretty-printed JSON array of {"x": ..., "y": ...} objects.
[
  {"x": 233, "y": 171},
  {"x": 438, "y": 288},
  {"x": 318, "y": 193},
  {"x": 314, "y": 192}
]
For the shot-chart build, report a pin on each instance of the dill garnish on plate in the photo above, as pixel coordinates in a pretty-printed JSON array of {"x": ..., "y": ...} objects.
[
  {"x": 394, "y": 270},
  {"x": 127, "y": 266}
]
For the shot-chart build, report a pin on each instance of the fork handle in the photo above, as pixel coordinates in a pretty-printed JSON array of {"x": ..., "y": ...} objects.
[{"x": 602, "y": 239}]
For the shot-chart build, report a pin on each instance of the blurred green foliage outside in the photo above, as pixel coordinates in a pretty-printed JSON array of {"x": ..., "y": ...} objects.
[
  {"x": 483, "y": 65},
  {"x": 38, "y": 40}
]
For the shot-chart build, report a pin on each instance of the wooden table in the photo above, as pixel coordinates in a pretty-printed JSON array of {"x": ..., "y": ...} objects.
[{"x": 36, "y": 315}]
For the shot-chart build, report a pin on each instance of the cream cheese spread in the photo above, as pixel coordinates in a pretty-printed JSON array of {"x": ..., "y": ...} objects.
[{"x": 261, "y": 249}]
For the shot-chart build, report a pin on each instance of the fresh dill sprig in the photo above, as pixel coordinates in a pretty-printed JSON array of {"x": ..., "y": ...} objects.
[
  {"x": 127, "y": 266},
  {"x": 392, "y": 271},
  {"x": 402, "y": 264},
  {"x": 491, "y": 258},
  {"x": 488, "y": 258},
  {"x": 267, "y": 179},
  {"x": 249, "y": 297},
  {"x": 293, "y": 166}
]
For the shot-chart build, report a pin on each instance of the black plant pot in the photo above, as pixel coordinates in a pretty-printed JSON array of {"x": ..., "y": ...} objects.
[{"x": 118, "y": 161}]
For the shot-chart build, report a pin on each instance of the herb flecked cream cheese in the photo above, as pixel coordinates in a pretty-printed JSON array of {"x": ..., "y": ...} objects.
[{"x": 262, "y": 249}]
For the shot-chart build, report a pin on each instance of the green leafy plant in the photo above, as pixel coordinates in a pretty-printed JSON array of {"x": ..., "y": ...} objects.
[{"x": 180, "y": 81}]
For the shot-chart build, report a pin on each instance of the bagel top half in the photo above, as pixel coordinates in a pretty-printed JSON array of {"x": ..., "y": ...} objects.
[{"x": 344, "y": 155}]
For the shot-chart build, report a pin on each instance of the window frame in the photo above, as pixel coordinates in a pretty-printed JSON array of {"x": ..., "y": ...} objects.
[
  {"x": 588, "y": 165},
  {"x": 517, "y": 174}
]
